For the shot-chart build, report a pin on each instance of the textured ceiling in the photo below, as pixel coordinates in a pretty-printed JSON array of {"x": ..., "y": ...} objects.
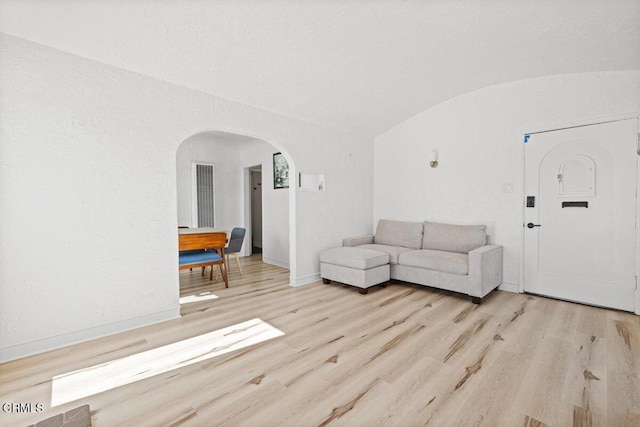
[{"x": 359, "y": 66}]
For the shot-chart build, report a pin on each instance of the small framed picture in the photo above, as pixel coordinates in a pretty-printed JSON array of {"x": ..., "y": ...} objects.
[{"x": 280, "y": 171}]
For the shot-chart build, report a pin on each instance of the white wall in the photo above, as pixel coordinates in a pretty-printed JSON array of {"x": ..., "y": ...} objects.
[
  {"x": 209, "y": 149},
  {"x": 88, "y": 193},
  {"x": 479, "y": 137},
  {"x": 231, "y": 155}
]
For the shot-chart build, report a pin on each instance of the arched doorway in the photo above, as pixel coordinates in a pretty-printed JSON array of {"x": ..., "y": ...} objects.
[{"x": 231, "y": 158}]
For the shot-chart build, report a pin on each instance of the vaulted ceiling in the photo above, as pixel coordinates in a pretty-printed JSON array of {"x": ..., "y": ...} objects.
[{"x": 360, "y": 66}]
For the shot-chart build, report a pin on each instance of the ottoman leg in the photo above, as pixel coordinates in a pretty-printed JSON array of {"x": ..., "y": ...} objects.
[
  {"x": 326, "y": 281},
  {"x": 364, "y": 291}
]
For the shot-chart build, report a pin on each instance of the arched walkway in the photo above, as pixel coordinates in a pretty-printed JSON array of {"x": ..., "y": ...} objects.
[{"x": 232, "y": 156}]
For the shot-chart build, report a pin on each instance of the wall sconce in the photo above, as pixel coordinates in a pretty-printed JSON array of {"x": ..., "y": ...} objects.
[{"x": 433, "y": 158}]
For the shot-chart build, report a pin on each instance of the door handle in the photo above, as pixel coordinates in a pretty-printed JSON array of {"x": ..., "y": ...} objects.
[{"x": 531, "y": 225}]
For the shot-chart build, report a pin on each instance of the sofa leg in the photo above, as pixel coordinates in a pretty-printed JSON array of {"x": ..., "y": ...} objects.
[
  {"x": 476, "y": 300},
  {"x": 364, "y": 291},
  {"x": 326, "y": 281}
]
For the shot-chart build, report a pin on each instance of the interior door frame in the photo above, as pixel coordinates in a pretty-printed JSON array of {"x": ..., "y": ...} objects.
[
  {"x": 247, "y": 248},
  {"x": 555, "y": 127}
]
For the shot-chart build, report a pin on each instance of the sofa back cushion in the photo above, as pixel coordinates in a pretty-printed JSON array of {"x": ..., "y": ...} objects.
[
  {"x": 453, "y": 238},
  {"x": 399, "y": 233}
]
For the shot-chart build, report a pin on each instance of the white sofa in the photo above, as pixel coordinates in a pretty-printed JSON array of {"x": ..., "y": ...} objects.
[{"x": 445, "y": 256}]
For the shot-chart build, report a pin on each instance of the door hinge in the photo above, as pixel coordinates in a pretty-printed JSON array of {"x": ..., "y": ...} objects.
[
  {"x": 635, "y": 287},
  {"x": 638, "y": 144}
]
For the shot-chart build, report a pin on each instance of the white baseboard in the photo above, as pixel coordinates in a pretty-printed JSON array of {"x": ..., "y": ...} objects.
[
  {"x": 277, "y": 262},
  {"x": 53, "y": 343},
  {"x": 509, "y": 287},
  {"x": 306, "y": 280}
]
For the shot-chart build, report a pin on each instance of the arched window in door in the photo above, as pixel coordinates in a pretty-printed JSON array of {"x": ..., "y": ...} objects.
[{"x": 576, "y": 177}]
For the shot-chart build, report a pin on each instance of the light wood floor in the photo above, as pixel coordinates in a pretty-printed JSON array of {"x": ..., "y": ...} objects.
[{"x": 403, "y": 355}]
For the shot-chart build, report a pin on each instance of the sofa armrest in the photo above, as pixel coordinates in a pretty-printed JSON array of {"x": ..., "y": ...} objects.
[
  {"x": 358, "y": 240},
  {"x": 485, "y": 270}
]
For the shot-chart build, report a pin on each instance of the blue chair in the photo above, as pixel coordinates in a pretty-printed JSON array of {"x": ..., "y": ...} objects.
[
  {"x": 202, "y": 250},
  {"x": 234, "y": 246}
]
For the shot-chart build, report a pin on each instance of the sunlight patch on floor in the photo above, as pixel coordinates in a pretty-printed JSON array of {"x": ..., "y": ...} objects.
[
  {"x": 116, "y": 373},
  {"x": 197, "y": 298}
]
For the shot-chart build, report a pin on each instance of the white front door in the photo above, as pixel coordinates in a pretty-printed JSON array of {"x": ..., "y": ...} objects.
[{"x": 580, "y": 214}]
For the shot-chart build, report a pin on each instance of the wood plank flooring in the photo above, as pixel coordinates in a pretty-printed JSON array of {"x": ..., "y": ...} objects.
[{"x": 403, "y": 355}]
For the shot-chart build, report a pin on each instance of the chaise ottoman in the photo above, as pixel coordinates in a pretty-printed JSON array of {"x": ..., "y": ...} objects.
[{"x": 354, "y": 266}]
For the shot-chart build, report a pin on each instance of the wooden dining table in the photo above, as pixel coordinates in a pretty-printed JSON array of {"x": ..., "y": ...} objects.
[{"x": 203, "y": 230}]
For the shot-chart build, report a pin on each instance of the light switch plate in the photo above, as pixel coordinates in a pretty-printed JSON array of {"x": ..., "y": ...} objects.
[{"x": 507, "y": 187}]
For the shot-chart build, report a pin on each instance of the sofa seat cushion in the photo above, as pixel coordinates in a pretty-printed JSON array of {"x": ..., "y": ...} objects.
[
  {"x": 354, "y": 257},
  {"x": 392, "y": 251},
  {"x": 399, "y": 233},
  {"x": 447, "y": 262},
  {"x": 453, "y": 238}
]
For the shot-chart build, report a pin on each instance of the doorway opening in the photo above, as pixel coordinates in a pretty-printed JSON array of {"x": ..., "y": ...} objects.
[
  {"x": 245, "y": 197},
  {"x": 255, "y": 189}
]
